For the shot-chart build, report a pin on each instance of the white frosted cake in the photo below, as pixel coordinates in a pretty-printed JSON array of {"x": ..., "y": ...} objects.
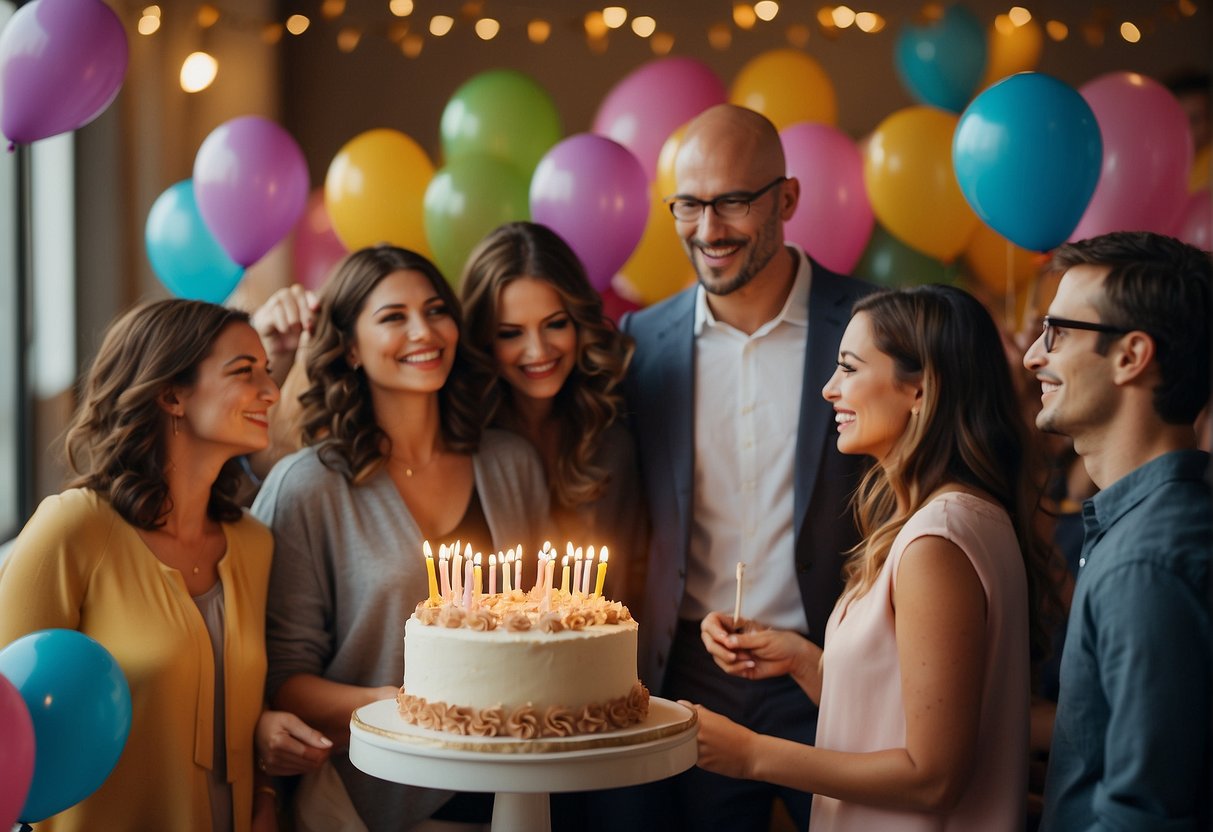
[{"x": 508, "y": 666}]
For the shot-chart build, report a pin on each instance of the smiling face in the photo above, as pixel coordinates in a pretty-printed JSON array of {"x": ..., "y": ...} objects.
[
  {"x": 404, "y": 337},
  {"x": 536, "y": 341},
  {"x": 229, "y": 401},
  {"x": 871, "y": 405},
  {"x": 727, "y": 150},
  {"x": 1077, "y": 393}
]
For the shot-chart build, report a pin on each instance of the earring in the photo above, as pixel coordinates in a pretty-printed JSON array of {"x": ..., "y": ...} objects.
[
  {"x": 914, "y": 411},
  {"x": 174, "y": 418}
]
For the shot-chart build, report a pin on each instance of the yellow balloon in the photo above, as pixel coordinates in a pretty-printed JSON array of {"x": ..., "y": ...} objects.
[
  {"x": 375, "y": 188},
  {"x": 787, "y": 86},
  {"x": 998, "y": 263},
  {"x": 659, "y": 266},
  {"x": 1201, "y": 176},
  {"x": 907, "y": 168},
  {"x": 1011, "y": 49},
  {"x": 667, "y": 183}
]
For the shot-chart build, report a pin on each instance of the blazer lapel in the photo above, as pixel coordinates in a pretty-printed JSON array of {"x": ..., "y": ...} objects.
[
  {"x": 829, "y": 313},
  {"x": 677, "y": 340}
]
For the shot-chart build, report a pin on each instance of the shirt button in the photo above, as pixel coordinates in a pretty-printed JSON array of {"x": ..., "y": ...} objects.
[{"x": 1082, "y": 562}]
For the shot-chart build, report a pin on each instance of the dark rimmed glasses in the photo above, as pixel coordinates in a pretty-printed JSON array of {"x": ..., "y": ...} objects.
[
  {"x": 731, "y": 206},
  {"x": 1053, "y": 323}
]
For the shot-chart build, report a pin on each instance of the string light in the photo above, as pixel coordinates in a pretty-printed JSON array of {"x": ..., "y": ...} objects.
[
  {"x": 207, "y": 16},
  {"x": 595, "y": 25},
  {"x": 348, "y": 38},
  {"x": 662, "y": 43},
  {"x": 401, "y": 8},
  {"x": 744, "y": 16},
  {"x": 440, "y": 24},
  {"x": 198, "y": 72},
  {"x": 538, "y": 31},
  {"x": 1057, "y": 30},
  {"x": 614, "y": 16},
  {"x": 297, "y": 24},
  {"x": 843, "y": 16},
  {"x": 1130, "y": 32},
  {"x": 149, "y": 22},
  {"x": 644, "y": 26},
  {"x": 766, "y": 10},
  {"x": 487, "y": 28},
  {"x": 1019, "y": 16},
  {"x": 869, "y": 22}
]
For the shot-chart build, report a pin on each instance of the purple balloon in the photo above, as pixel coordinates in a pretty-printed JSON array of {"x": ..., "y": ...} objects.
[
  {"x": 593, "y": 193},
  {"x": 251, "y": 185},
  {"x": 61, "y": 64},
  {"x": 833, "y": 220},
  {"x": 1147, "y": 153},
  {"x": 650, "y": 103}
]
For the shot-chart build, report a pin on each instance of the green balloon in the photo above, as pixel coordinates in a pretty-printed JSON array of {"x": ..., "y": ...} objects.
[
  {"x": 466, "y": 200},
  {"x": 501, "y": 113},
  {"x": 889, "y": 262}
]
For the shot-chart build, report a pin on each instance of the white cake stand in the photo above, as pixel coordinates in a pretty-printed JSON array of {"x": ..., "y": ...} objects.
[{"x": 521, "y": 772}]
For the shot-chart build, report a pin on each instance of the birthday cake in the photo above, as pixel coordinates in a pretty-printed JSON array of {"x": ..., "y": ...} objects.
[{"x": 517, "y": 664}]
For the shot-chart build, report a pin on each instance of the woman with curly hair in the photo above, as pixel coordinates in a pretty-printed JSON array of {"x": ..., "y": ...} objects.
[
  {"x": 395, "y": 454},
  {"x": 557, "y": 362},
  {"x": 148, "y": 553},
  {"x": 924, "y": 680}
]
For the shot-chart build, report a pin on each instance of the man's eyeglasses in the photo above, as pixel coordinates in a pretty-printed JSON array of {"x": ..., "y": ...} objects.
[
  {"x": 730, "y": 206},
  {"x": 1052, "y": 324}
]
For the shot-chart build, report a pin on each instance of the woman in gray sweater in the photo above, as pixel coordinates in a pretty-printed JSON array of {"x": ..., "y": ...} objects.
[{"x": 395, "y": 455}]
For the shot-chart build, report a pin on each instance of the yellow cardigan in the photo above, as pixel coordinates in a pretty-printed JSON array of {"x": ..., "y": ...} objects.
[{"x": 79, "y": 565}]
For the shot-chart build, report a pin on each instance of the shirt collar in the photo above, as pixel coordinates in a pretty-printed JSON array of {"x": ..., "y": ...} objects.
[
  {"x": 1113, "y": 502},
  {"x": 795, "y": 308}
]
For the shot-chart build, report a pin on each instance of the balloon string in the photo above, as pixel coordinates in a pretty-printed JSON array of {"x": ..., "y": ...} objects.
[{"x": 1009, "y": 305}]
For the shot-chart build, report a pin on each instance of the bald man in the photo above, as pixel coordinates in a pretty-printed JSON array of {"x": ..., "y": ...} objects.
[{"x": 737, "y": 448}]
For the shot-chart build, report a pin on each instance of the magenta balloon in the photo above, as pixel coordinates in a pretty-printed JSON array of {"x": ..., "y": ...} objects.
[
  {"x": 251, "y": 185},
  {"x": 641, "y": 111},
  {"x": 1147, "y": 154},
  {"x": 833, "y": 220},
  {"x": 315, "y": 248},
  {"x": 61, "y": 64},
  {"x": 16, "y": 753},
  {"x": 593, "y": 193},
  {"x": 1196, "y": 222}
]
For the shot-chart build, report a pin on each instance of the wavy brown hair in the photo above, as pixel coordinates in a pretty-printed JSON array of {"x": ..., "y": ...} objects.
[
  {"x": 969, "y": 430},
  {"x": 337, "y": 410},
  {"x": 589, "y": 401},
  {"x": 116, "y": 441}
]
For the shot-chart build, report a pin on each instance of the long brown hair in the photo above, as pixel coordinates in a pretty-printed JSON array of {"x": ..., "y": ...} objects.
[
  {"x": 337, "y": 410},
  {"x": 589, "y": 401},
  {"x": 969, "y": 430},
  {"x": 115, "y": 442}
]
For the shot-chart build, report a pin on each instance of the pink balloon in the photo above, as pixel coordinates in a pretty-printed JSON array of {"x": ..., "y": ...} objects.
[
  {"x": 1147, "y": 154},
  {"x": 316, "y": 248},
  {"x": 641, "y": 111},
  {"x": 833, "y": 220},
  {"x": 16, "y": 753},
  {"x": 251, "y": 185},
  {"x": 1196, "y": 222},
  {"x": 61, "y": 64},
  {"x": 593, "y": 193}
]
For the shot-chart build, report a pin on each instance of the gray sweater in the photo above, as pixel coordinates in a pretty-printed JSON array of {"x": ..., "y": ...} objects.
[{"x": 348, "y": 572}]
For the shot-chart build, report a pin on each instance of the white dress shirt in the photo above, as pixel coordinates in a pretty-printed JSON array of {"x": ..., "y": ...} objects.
[{"x": 747, "y": 413}]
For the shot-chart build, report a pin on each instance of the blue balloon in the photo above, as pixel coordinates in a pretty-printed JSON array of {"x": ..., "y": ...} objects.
[
  {"x": 942, "y": 63},
  {"x": 1027, "y": 154},
  {"x": 80, "y": 704},
  {"x": 184, "y": 255}
]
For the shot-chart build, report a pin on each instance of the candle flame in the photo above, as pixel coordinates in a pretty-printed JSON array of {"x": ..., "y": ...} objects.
[
  {"x": 477, "y": 560},
  {"x": 603, "y": 557},
  {"x": 492, "y": 560},
  {"x": 568, "y": 547},
  {"x": 579, "y": 554},
  {"x": 564, "y": 560},
  {"x": 425, "y": 547},
  {"x": 467, "y": 553}
]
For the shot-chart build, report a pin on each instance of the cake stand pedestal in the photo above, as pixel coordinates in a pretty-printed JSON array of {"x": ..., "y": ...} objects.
[{"x": 522, "y": 772}]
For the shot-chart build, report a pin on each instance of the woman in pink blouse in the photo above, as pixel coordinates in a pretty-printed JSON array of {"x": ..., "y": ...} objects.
[{"x": 923, "y": 683}]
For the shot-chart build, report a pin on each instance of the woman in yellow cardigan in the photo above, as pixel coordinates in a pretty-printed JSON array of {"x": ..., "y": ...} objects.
[{"x": 149, "y": 554}]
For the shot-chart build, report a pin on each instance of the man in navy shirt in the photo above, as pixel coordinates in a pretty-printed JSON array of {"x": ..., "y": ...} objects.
[{"x": 1123, "y": 364}]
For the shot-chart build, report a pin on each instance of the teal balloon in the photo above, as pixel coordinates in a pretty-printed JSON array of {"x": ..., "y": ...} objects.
[
  {"x": 942, "y": 63},
  {"x": 184, "y": 255},
  {"x": 466, "y": 199},
  {"x": 1027, "y": 154},
  {"x": 891, "y": 263},
  {"x": 501, "y": 113},
  {"x": 80, "y": 704}
]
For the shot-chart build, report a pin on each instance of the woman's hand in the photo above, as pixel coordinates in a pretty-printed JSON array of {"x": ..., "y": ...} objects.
[
  {"x": 283, "y": 322},
  {"x": 724, "y": 746},
  {"x": 287, "y": 745}
]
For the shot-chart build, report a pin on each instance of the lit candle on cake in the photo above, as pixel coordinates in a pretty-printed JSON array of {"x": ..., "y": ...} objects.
[
  {"x": 564, "y": 574},
  {"x": 507, "y": 568},
  {"x": 585, "y": 573},
  {"x": 457, "y": 572},
  {"x": 516, "y": 557},
  {"x": 429, "y": 569},
  {"x": 602, "y": 563},
  {"x": 539, "y": 569},
  {"x": 577, "y": 558},
  {"x": 549, "y": 573},
  {"x": 477, "y": 577},
  {"x": 492, "y": 574},
  {"x": 443, "y": 566}
]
